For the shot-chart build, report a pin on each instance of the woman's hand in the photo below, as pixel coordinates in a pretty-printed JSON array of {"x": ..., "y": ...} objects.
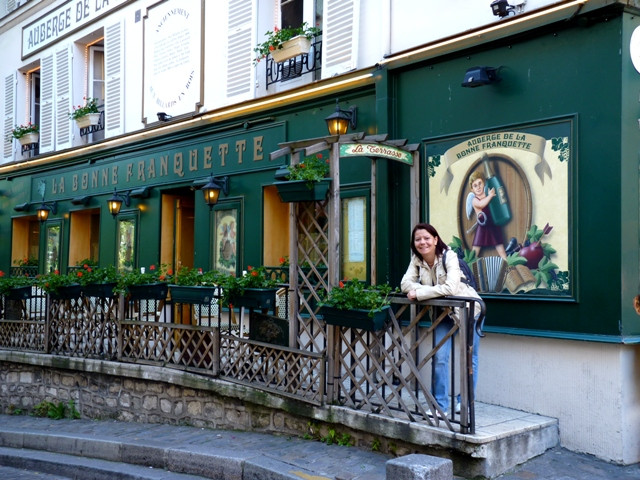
[{"x": 412, "y": 295}]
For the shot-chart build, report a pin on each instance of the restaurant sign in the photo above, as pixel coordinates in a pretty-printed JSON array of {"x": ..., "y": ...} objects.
[{"x": 375, "y": 150}]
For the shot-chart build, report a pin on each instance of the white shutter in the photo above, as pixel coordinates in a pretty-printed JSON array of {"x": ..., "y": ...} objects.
[
  {"x": 340, "y": 30},
  {"x": 46, "y": 104},
  {"x": 240, "y": 43},
  {"x": 10, "y": 82},
  {"x": 113, "y": 84},
  {"x": 63, "y": 92}
]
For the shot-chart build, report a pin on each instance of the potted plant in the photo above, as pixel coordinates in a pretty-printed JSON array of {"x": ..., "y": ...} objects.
[
  {"x": 354, "y": 304},
  {"x": 285, "y": 43},
  {"x": 254, "y": 289},
  {"x": 87, "y": 114},
  {"x": 25, "y": 266},
  {"x": 194, "y": 285},
  {"x": 146, "y": 283},
  {"x": 26, "y": 134},
  {"x": 16, "y": 287},
  {"x": 306, "y": 181},
  {"x": 59, "y": 286},
  {"x": 101, "y": 282}
]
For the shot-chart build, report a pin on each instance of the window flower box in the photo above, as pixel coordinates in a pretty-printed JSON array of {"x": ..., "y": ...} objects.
[
  {"x": 302, "y": 190},
  {"x": 291, "y": 48},
  {"x": 29, "y": 138},
  {"x": 285, "y": 43},
  {"x": 88, "y": 120}
]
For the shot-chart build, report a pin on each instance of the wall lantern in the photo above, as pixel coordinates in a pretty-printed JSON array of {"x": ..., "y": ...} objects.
[
  {"x": 211, "y": 190},
  {"x": 116, "y": 201},
  {"x": 340, "y": 120},
  {"x": 164, "y": 117},
  {"x": 501, "y": 8},
  {"x": 479, "y": 76},
  {"x": 45, "y": 208}
]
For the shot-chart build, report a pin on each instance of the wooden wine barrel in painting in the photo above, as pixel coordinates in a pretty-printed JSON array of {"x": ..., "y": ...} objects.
[{"x": 518, "y": 193}]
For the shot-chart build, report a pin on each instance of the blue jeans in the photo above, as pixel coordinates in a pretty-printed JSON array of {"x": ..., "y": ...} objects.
[{"x": 441, "y": 372}]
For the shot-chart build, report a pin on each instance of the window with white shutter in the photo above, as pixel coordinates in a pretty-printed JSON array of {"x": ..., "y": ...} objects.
[
  {"x": 240, "y": 70},
  {"x": 10, "y": 82},
  {"x": 340, "y": 32},
  {"x": 113, "y": 86},
  {"x": 47, "y": 99},
  {"x": 63, "y": 98}
]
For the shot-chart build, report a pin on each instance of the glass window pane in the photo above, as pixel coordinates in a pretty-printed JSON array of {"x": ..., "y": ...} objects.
[
  {"x": 52, "y": 259},
  {"x": 126, "y": 244},
  {"x": 354, "y": 238}
]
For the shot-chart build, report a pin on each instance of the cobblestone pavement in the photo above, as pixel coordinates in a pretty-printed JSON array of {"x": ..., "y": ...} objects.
[{"x": 561, "y": 464}]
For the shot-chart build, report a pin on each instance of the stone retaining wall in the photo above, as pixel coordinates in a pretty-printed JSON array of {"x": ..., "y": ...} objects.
[{"x": 147, "y": 394}]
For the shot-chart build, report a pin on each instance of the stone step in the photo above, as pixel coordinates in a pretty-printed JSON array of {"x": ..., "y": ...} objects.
[
  {"x": 503, "y": 439},
  {"x": 65, "y": 466}
]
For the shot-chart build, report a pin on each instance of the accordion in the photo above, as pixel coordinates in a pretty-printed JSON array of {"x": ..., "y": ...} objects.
[{"x": 490, "y": 273}]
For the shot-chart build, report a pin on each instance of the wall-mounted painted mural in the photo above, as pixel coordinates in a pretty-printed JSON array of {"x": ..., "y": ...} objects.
[{"x": 502, "y": 199}]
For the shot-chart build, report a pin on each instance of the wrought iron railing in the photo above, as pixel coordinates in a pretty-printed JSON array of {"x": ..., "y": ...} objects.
[
  {"x": 295, "y": 67},
  {"x": 84, "y": 131}
]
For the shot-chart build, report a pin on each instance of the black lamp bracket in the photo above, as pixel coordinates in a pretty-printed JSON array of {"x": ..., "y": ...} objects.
[
  {"x": 126, "y": 198},
  {"x": 51, "y": 206},
  {"x": 220, "y": 182}
]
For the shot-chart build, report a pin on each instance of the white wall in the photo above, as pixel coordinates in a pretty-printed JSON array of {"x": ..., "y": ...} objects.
[{"x": 592, "y": 388}]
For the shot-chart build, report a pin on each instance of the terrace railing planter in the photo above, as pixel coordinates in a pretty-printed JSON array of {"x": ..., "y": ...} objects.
[
  {"x": 198, "y": 294},
  {"x": 355, "y": 318},
  {"x": 66, "y": 292},
  {"x": 291, "y": 48},
  {"x": 102, "y": 290},
  {"x": 261, "y": 298},
  {"x": 19, "y": 293},
  {"x": 302, "y": 190},
  {"x": 148, "y": 291}
]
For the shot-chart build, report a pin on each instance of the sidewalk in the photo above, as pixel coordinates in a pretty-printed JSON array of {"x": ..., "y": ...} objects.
[{"x": 206, "y": 453}]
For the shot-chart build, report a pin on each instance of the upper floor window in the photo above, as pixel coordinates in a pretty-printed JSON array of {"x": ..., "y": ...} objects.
[
  {"x": 291, "y": 13},
  {"x": 95, "y": 87}
]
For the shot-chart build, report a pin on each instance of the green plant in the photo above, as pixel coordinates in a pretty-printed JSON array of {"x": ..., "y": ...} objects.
[
  {"x": 333, "y": 437},
  {"x": 375, "y": 445},
  {"x": 152, "y": 274},
  {"x": 311, "y": 170},
  {"x": 27, "y": 262},
  {"x": 356, "y": 295},
  {"x": 87, "y": 261},
  {"x": 7, "y": 282},
  {"x": 52, "y": 281},
  {"x": 56, "y": 411},
  {"x": 188, "y": 276},
  {"x": 21, "y": 130},
  {"x": 256, "y": 277},
  {"x": 275, "y": 39},
  {"x": 89, "y": 275},
  {"x": 253, "y": 277},
  {"x": 90, "y": 106},
  {"x": 13, "y": 410}
]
